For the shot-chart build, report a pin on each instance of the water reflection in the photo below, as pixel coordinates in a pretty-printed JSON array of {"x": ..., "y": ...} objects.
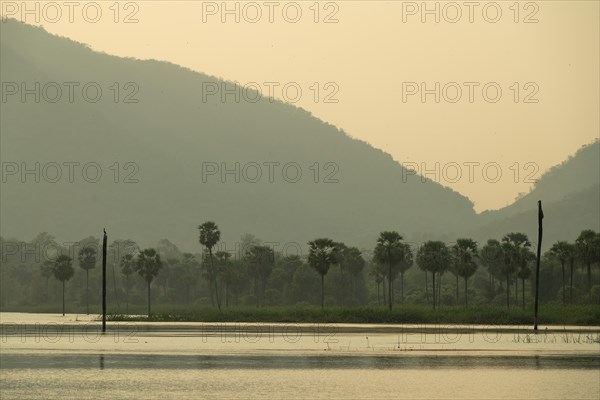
[{"x": 329, "y": 361}]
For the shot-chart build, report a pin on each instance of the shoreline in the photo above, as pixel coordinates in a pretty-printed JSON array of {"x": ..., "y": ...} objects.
[{"x": 27, "y": 323}]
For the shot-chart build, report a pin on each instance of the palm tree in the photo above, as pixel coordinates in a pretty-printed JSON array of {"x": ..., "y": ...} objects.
[
  {"x": 561, "y": 250},
  {"x": 262, "y": 259},
  {"x": 513, "y": 245},
  {"x": 148, "y": 265},
  {"x": 571, "y": 256},
  {"x": 63, "y": 271},
  {"x": 87, "y": 260},
  {"x": 353, "y": 261},
  {"x": 492, "y": 257},
  {"x": 127, "y": 268},
  {"x": 524, "y": 274},
  {"x": 224, "y": 270},
  {"x": 404, "y": 265},
  {"x": 433, "y": 256},
  {"x": 588, "y": 251},
  {"x": 422, "y": 268},
  {"x": 322, "y": 254},
  {"x": 464, "y": 256},
  {"x": 389, "y": 251},
  {"x": 46, "y": 269},
  {"x": 375, "y": 272},
  {"x": 209, "y": 237}
]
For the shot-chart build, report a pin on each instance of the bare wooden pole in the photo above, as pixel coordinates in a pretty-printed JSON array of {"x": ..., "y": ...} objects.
[
  {"x": 104, "y": 240},
  {"x": 537, "y": 265}
]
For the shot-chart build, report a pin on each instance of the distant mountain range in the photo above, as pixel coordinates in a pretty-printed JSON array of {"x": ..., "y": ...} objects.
[
  {"x": 176, "y": 143},
  {"x": 570, "y": 194}
]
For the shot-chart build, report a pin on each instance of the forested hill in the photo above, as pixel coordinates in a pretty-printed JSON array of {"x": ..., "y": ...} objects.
[
  {"x": 580, "y": 172},
  {"x": 153, "y": 125},
  {"x": 570, "y": 193}
]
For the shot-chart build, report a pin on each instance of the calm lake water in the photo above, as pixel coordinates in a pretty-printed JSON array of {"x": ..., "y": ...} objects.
[{"x": 50, "y": 356}]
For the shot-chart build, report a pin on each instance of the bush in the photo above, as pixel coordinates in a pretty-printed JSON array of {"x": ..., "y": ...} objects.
[{"x": 490, "y": 315}]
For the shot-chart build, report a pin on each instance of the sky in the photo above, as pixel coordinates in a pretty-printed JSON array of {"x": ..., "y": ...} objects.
[{"x": 483, "y": 100}]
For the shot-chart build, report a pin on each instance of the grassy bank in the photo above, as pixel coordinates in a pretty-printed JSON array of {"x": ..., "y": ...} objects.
[{"x": 548, "y": 315}]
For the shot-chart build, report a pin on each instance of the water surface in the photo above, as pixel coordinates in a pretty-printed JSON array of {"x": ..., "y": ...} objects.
[{"x": 49, "y": 356}]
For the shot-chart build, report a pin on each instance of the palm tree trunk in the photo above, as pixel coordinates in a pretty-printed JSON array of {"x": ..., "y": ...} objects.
[
  {"x": 216, "y": 285},
  {"x": 523, "y": 296},
  {"x": 87, "y": 291},
  {"x": 562, "y": 266},
  {"x": 507, "y": 290},
  {"x": 390, "y": 285},
  {"x": 343, "y": 284},
  {"x": 456, "y": 289},
  {"x": 517, "y": 291},
  {"x": 589, "y": 274},
  {"x": 257, "y": 292},
  {"x": 149, "y": 298},
  {"x": 426, "y": 288},
  {"x": 212, "y": 267},
  {"x": 378, "y": 294},
  {"x": 227, "y": 295},
  {"x": 466, "y": 301},
  {"x": 402, "y": 288},
  {"x": 63, "y": 297},
  {"x": 211, "y": 291},
  {"x": 127, "y": 293},
  {"x": 322, "y": 291},
  {"x": 433, "y": 286},
  {"x": 439, "y": 290},
  {"x": 352, "y": 296},
  {"x": 383, "y": 291},
  {"x": 571, "y": 284},
  {"x": 263, "y": 290}
]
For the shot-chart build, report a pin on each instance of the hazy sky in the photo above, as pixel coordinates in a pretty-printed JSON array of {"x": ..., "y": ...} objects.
[{"x": 377, "y": 53}]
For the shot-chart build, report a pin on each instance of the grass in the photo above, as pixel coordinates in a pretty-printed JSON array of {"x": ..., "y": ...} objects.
[{"x": 548, "y": 315}]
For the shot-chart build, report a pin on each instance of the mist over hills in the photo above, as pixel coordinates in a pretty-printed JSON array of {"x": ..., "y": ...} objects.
[
  {"x": 169, "y": 134},
  {"x": 578, "y": 173},
  {"x": 570, "y": 193},
  {"x": 165, "y": 138}
]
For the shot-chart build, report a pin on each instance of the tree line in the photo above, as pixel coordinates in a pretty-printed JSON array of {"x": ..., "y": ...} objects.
[{"x": 331, "y": 274}]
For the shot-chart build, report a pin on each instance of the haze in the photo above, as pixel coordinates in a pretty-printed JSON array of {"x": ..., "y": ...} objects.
[{"x": 370, "y": 52}]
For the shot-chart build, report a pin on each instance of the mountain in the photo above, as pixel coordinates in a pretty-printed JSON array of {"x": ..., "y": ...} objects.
[
  {"x": 153, "y": 129},
  {"x": 579, "y": 172},
  {"x": 563, "y": 219},
  {"x": 164, "y": 137},
  {"x": 570, "y": 194}
]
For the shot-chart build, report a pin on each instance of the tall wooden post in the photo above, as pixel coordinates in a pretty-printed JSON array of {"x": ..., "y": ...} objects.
[
  {"x": 104, "y": 240},
  {"x": 537, "y": 265}
]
